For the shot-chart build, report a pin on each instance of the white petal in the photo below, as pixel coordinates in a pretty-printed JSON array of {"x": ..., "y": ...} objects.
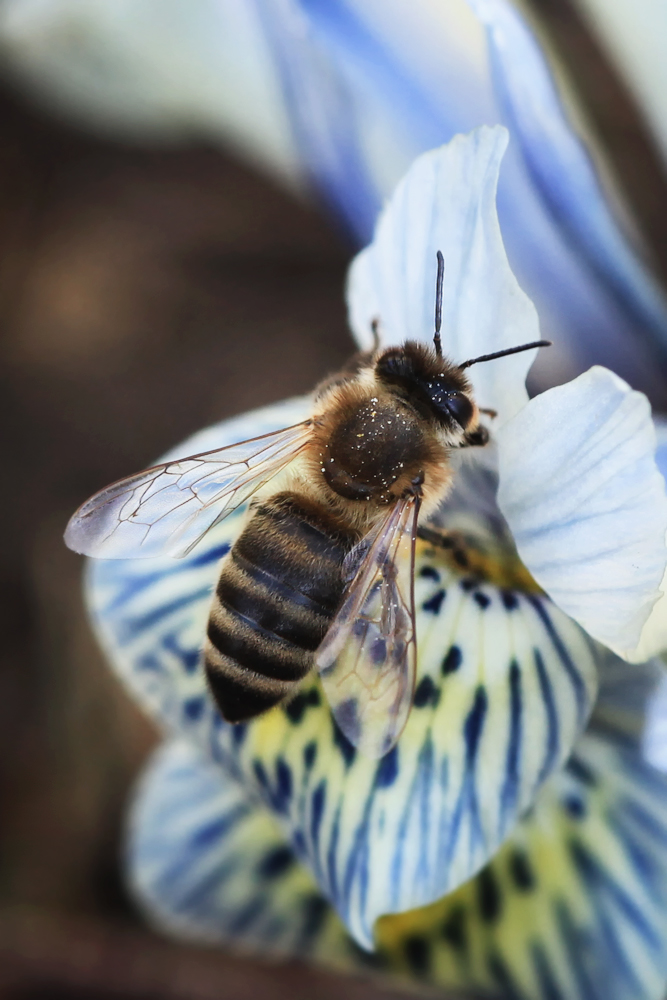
[
  {"x": 581, "y": 491},
  {"x": 447, "y": 202}
]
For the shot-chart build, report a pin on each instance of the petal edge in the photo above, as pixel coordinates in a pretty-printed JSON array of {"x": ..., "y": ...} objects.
[{"x": 581, "y": 491}]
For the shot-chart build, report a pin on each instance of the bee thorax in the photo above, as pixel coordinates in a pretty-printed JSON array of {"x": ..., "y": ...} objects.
[{"x": 372, "y": 449}]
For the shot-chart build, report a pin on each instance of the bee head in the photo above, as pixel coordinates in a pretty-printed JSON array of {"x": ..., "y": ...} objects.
[{"x": 435, "y": 387}]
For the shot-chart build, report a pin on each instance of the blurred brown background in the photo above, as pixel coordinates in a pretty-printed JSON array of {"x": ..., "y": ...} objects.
[{"x": 143, "y": 295}]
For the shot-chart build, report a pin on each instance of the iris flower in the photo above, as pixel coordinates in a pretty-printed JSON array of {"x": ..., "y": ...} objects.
[
  {"x": 516, "y": 836},
  {"x": 341, "y": 97}
]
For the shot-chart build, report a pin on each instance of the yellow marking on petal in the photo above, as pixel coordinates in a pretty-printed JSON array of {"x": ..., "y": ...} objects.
[{"x": 466, "y": 555}]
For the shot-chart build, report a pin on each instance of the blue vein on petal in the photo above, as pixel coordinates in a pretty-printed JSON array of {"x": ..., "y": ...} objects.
[
  {"x": 631, "y": 822},
  {"x": 552, "y": 741},
  {"x": 189, "y": 656},
  {"x": 544, "y": 974},
  {"x": 571, "y": 938},
  {"x": 509, "y": 793},
  {"x": 472, "y": 728},
  {"x": 203, "y": 838},
  {"x": 418, "y": 789},
  {"x": 357, "y": 865},
  {"x": 115, "y": 571},
  {"x": 634, "y": 812},
  {"x": 565, "y": 658},
  {"x": 133, "y": 627},
  {"x": 332, "y": 853},
  {"x": 597, "y": 877},
  {"x": 318, "y": 801},
  {"x": 605, "y": 894}
]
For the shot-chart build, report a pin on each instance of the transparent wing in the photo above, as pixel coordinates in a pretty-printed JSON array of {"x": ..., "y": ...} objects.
[
  {"x": 168, "y": 508},
  {"x": 368, "y": 658}
]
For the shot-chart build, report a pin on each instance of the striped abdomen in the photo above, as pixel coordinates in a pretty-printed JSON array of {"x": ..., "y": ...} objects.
[{"x": 278, "y": 591}]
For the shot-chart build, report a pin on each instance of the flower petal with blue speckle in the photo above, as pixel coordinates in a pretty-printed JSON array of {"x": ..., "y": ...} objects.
[
  {"x": 573, "y": 906},
  {"x": 208, "y": 864},
  {"x": 504, "y": 686}
]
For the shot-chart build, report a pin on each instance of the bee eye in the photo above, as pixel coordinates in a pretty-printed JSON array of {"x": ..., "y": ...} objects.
[{"x": 460, "y": 407}]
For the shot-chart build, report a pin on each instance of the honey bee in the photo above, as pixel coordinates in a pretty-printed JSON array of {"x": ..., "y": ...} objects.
[{"x": 323, "y": 573}]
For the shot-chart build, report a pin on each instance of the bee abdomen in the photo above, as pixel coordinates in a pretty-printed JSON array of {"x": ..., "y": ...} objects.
[{"x": 278, "y": 591}]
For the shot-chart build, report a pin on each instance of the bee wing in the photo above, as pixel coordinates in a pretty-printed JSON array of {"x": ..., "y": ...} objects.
[
  {"x": 168, "y": 508},
  {"x": 368, "y": 658}
]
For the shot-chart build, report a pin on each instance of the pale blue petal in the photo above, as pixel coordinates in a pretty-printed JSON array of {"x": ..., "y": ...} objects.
[
  {"x": 661, "y": 450},
  {"x": 208, "y": 863},
  {"x": 359, "y": 106},
  {"x": 504, "y": 686},
  {"x": 654, "y": 744},
  {"x": 447, "y": 202},
  {"x": 586, "y": 504}
]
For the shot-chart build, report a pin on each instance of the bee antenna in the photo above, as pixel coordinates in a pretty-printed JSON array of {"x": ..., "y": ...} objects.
[
  {"x": 438, "y": 303},
  {"x": 502, "y": 354}
]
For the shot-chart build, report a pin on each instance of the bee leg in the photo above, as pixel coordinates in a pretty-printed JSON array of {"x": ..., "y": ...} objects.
[
  {"x": 476, "y": 438},
  {"x": 479, "y": 437}
]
